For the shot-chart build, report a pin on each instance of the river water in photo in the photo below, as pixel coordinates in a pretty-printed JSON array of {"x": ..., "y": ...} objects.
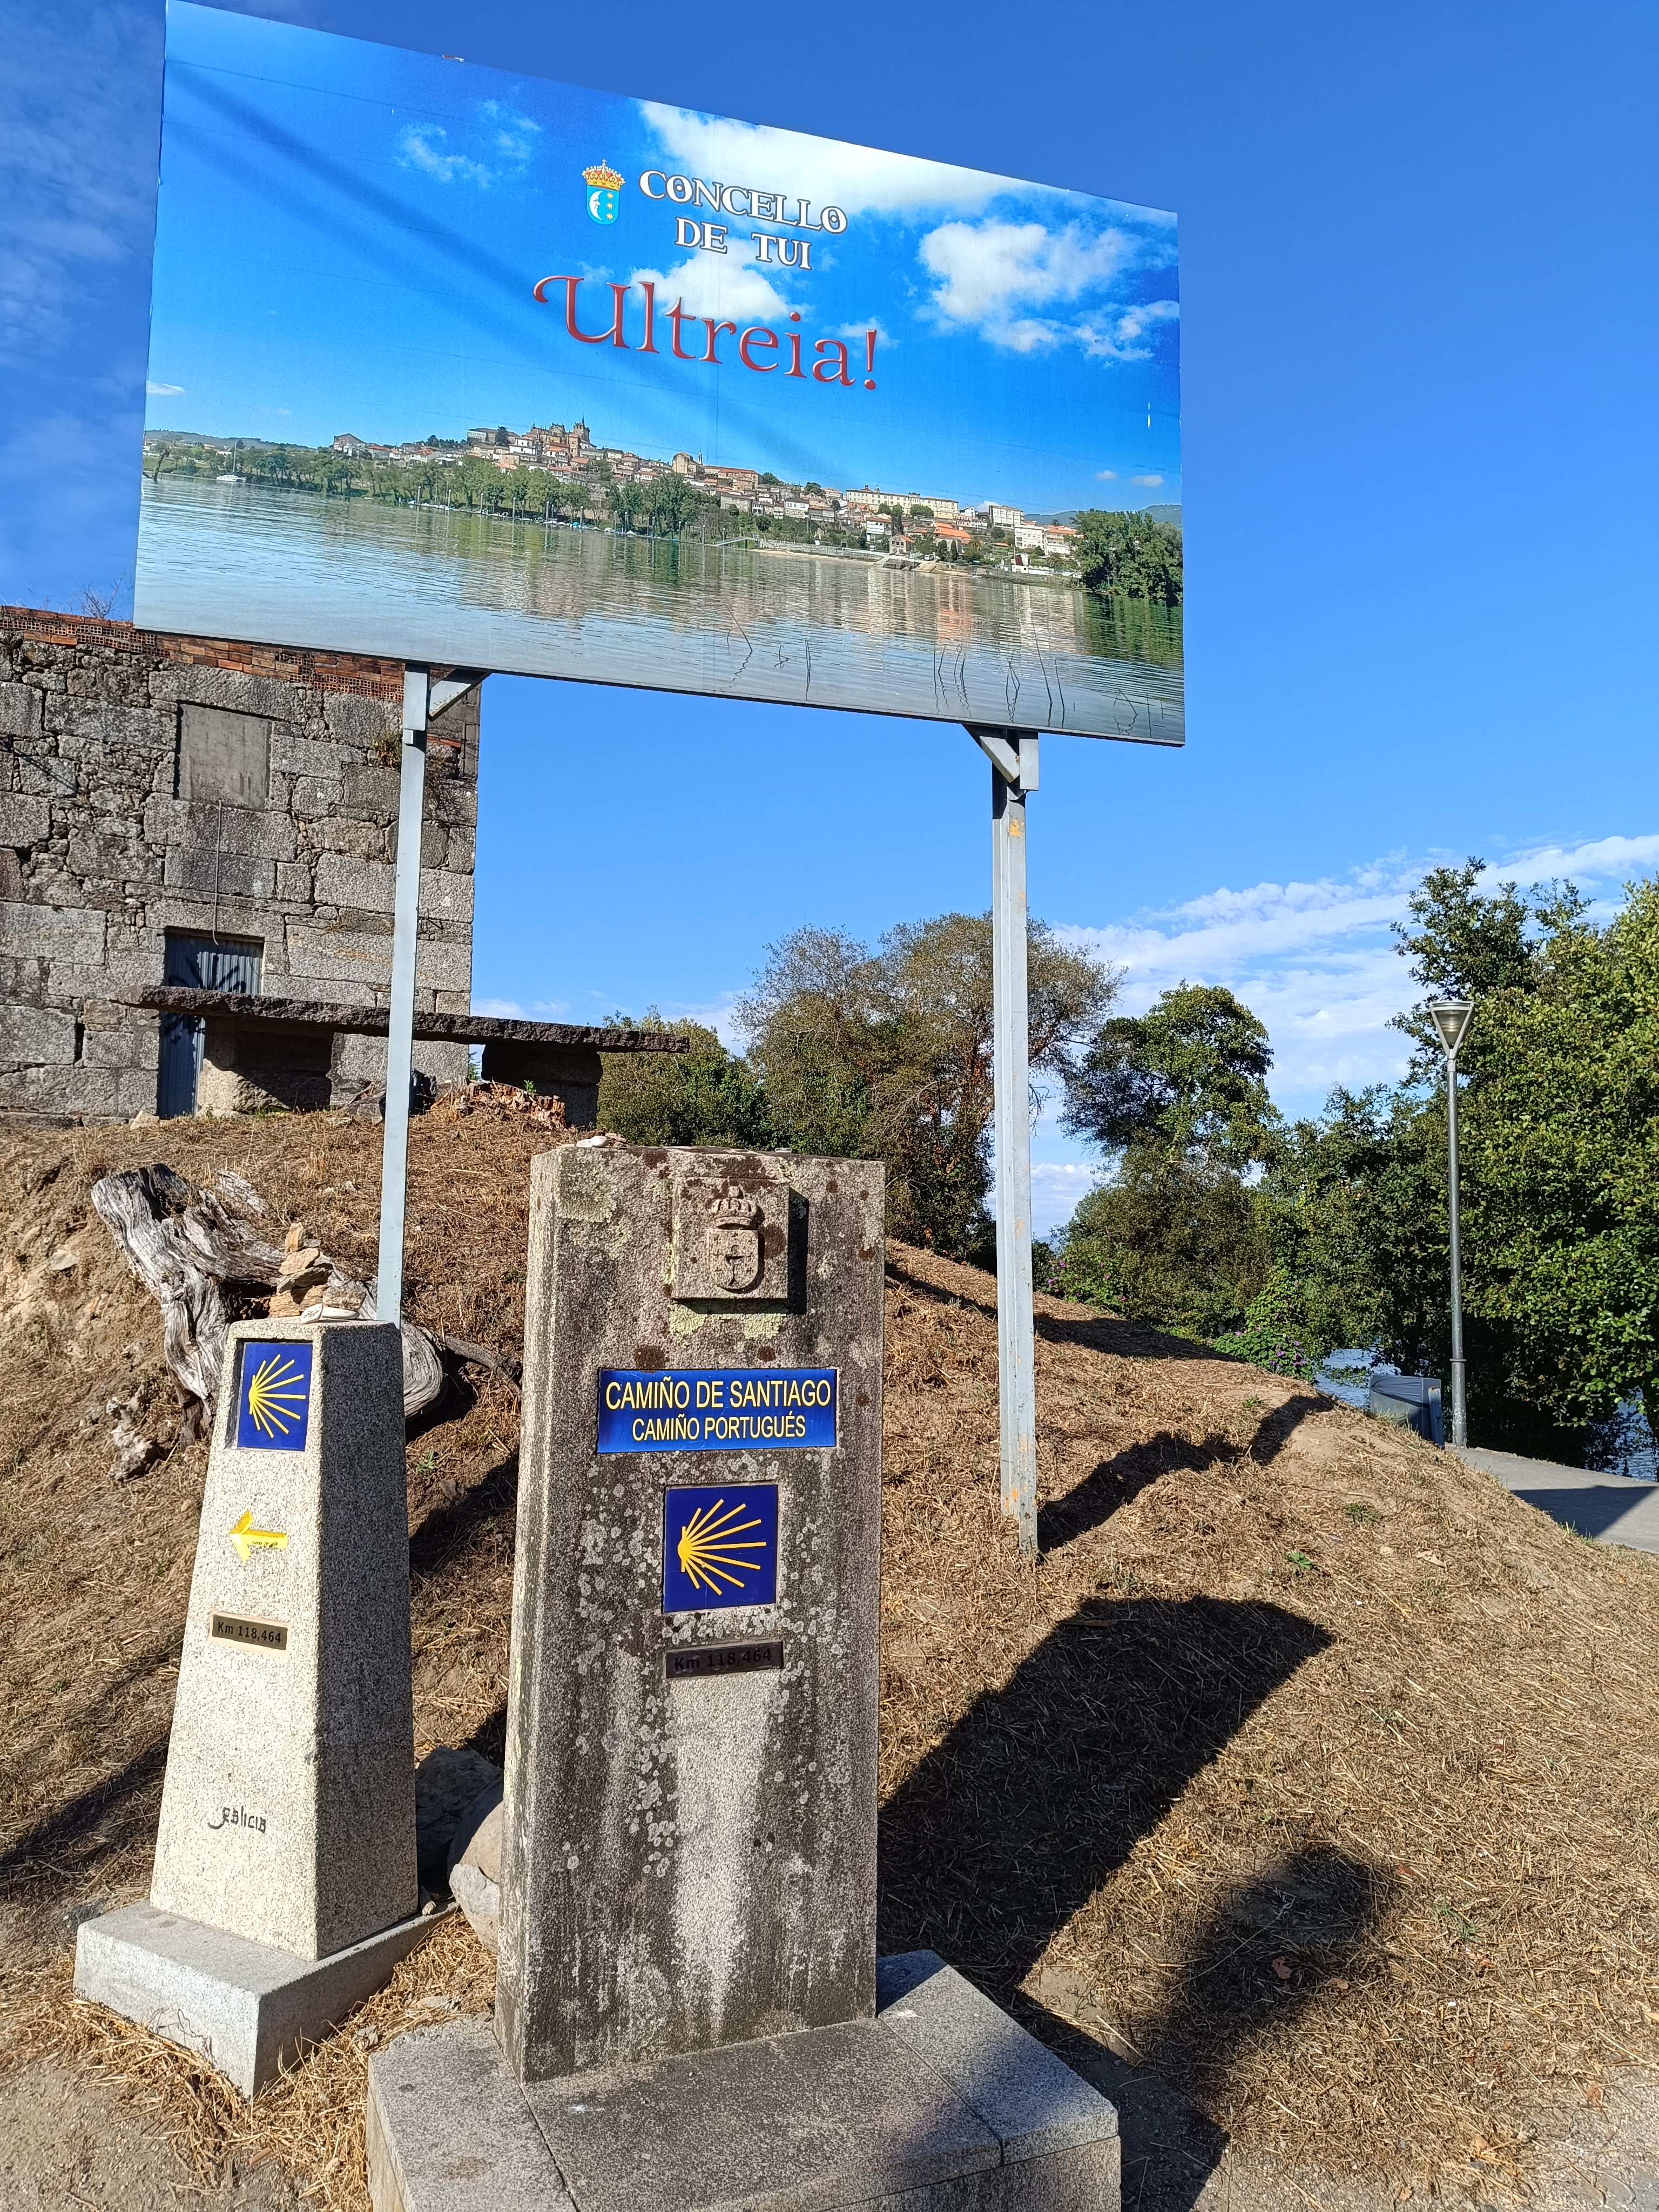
[{"x": 426, "y": 583}]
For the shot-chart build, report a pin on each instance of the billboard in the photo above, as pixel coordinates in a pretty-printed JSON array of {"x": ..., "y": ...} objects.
[{"x": 451, "y": 365}]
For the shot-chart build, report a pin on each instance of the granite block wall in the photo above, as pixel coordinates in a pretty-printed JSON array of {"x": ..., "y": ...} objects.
[{"x": 153, "y": 785}]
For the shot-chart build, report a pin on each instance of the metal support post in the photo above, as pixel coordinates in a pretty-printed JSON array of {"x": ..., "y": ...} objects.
[
  {"x": 1460, "y": 1421},
  {"x": 1451, "y": 1019},
  {"x": 1013, "y": 760},
  {"x": 400, "y": 1029}
]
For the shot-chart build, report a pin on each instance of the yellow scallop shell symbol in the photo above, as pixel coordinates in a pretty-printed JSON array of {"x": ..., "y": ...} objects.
[
  {"x": 712, "y": 1547},
  {"x": 274, "y": 1402}
]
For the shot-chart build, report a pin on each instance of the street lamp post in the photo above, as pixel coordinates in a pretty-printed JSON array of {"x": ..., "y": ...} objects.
[{"x": 1451, "y": 1019}]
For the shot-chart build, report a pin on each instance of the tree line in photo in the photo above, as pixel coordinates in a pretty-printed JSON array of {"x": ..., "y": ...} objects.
[
  {"x": 1116, "y": 556},
  {"x": 1217, "y": 1219}
]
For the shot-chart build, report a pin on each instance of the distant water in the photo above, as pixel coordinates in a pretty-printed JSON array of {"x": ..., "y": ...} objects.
[{"x": 245, "y": 561}]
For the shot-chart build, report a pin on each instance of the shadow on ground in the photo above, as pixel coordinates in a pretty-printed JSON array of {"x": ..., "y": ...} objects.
[
  {"x": 1116, "y": 1482},
  {"x": 1254, "y": 1966},
  {"x": 1128, "y": 1340},
  {"x": 1042, "y": 1790},
  {"x": 63, "y": 1857}
]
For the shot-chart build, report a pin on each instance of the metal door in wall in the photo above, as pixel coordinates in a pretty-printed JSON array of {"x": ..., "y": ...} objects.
[{"x": 201, "y": 964}]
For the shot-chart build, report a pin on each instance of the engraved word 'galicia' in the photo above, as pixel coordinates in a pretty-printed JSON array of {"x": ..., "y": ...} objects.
[
  {"x": 717, "y": 1409},
  {"x": 719, "y": 1547},
  {"x": 238, "y": 1816}
]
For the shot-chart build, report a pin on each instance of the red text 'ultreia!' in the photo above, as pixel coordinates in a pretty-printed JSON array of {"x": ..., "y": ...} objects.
[{"x": 764, "y": 351}]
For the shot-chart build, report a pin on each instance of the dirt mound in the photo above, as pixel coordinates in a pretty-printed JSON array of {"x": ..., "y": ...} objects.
[{"x": 1309, "y": 1770}]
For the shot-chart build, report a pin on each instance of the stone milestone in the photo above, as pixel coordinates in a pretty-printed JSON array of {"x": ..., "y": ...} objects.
[
  {"x": 289, "y": 1810},
  {"x": 284, "y": 1886},
  {"x": 690, "y": 2016},
  {"x": 689, "y": 1854}
]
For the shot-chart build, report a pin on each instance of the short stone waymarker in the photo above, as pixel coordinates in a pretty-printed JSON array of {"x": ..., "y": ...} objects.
[
  {"x": 690, "y": 2016},
  {"x": 284, "y": 1888}
]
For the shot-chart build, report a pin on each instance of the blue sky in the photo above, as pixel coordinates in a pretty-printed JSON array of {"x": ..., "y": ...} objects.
[
  {"x": 349, "y": 236},
  {"x": 1418, "y": 338}
]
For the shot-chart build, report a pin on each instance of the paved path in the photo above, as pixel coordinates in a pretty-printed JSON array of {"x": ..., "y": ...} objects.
[{"x": 1609, "y": 1507}]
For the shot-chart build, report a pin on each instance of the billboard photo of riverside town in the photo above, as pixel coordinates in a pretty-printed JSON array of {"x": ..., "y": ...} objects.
[{"x": 451, "y": 366}]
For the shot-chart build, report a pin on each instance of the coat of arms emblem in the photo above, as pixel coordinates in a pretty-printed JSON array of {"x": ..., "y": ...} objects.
[
  {"x": 733, "y": 1245},
  {"x": 604, "y": 191},
  {"x": 731, "y": 1231}
]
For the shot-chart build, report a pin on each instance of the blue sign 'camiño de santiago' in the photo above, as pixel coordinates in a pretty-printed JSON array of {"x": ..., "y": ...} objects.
[{"x": 717, "y": 1409}]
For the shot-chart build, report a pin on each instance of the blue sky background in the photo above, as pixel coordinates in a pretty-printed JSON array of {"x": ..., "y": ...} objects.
[
  {"x": 348, "y": 236},
  {"x": 1419, "y": 331}
]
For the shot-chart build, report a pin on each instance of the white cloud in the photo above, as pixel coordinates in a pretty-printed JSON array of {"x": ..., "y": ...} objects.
[
  {"x": 538, "y": 1009},
  {"x": 1317, "y": 961},
  {"x": 982, "y": 266},
  {"x": 509, "y": 133},
  {"x": 994, "y": 276},
  {"x": 858, "y": 178},
  {"x": 164, "y": 391},
  {"x": 1106, "y": 476},
  {"x": 730, "y": 291},
  {"x": 857, "y": 329},
  {"x": 1119, "y": 336},
  {"x": 1146, "y": 480},
  {"x": 498, "y": 144},
  {"x": 78, "y": 164},
  {"x": 420, "y": 151}
]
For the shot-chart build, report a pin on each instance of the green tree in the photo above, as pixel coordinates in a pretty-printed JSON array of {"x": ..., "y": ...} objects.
[
  {"x": 1128, "y": 556},
  {"x": 1559, "y": 1127},
  {"x": 1561, "y": 1140},
  {"x": 1168, "y": 1241},
  {"x": 673, "y": 503},
  {"x": 887, "y": 1056},
  {"x": 706, "y": 1095},
  {"x": 1470, "y": 944},
  {"x": 1185, "y": 1082},
  {"x": 1180, "y": 1096}
]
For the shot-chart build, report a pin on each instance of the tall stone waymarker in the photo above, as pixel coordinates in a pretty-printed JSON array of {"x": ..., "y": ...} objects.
[
  {"x": 690, "y": 1846},
  {"x": 284, "y": 1886},
  {"x": 690, "y": 2014}
]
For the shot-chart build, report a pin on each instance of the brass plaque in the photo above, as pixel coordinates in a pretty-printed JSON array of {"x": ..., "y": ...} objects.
[
  {"x": 723, "y": 1659},
  {"x": 257, "y": 1635}
]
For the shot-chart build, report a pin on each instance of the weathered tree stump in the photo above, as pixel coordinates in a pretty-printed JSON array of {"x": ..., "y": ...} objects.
[{"x": 185, "y": 1244}]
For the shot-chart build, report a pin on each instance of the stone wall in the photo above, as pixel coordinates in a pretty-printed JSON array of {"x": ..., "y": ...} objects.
[{"x": 151, "y": 785}]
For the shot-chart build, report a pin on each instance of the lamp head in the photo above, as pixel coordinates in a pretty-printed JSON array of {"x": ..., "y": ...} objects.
[{"x": 1451, "y": 1019}]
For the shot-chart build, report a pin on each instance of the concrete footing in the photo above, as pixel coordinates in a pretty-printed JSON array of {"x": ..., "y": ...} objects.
[
  {"x": 246, "y": 2008},
  {"x": 940, "y": 2104}
]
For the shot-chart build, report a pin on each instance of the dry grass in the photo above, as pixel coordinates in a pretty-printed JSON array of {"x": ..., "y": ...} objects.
[
  {"x": 1309, "y": 1766},
  {"x": 311, "y": 2122}
]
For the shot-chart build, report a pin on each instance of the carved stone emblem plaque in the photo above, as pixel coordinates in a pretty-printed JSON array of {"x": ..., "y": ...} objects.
[{"x": 732, "y": 1238}]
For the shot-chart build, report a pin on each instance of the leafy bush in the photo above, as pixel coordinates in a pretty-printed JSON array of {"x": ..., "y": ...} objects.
[
  {"x": 1088, "y": 1272},
  {"x": 1275, "y": 1334}
]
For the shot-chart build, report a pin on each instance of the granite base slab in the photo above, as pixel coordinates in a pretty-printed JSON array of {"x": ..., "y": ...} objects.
[
  {"x": 246, "y": 2008},
  {"x": 940, "y": 2104}
]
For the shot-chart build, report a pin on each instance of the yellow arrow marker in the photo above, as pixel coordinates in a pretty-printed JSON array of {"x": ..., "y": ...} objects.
[{"x": 246, "y": 1537}]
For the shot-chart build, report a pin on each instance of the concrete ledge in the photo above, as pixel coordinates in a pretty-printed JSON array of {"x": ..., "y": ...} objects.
[
  {"x": 449, "y": 2130},
  {"x": 1029, "y": 2099},
  {"x": 246, "y": 2007},
  {"x": 943, "y": 2104},
  {"x": 823, "y": 2117}
]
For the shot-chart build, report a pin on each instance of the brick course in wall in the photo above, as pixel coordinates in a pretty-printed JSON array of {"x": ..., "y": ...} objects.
[{"x": 106, "y": 847}]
